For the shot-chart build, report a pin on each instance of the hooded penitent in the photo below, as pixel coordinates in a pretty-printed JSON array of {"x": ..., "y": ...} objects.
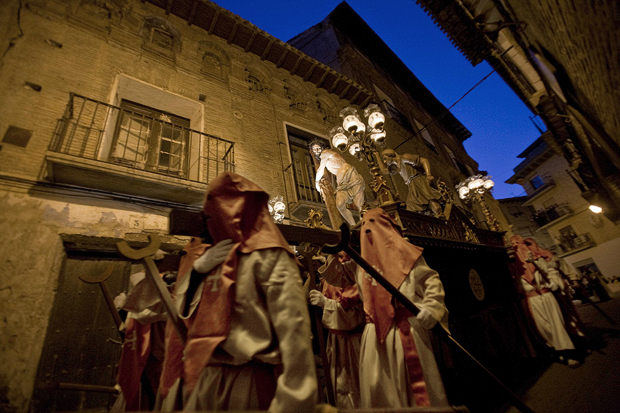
[
  {"x": 393, "y": 257},
  {"x": 235, "y": 209},
  {"x": 521, "y": 267},
  {"x": 538, "y": 252}
]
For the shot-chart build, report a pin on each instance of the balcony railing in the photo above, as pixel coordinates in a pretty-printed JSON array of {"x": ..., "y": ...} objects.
[
  {"x": 395, "y": 114},
  {"x": 99, "y": 131},
  {"x": 576, "y": 242},
  {"x": 554, "y": 212}
]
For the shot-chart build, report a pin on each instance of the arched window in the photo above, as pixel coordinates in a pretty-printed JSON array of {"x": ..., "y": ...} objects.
[
  {"x": 255, "y": 83},
  {"x": 295, "y": 97}
]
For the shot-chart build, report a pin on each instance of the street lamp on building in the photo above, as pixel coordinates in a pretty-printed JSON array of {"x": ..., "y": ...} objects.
[
  {"x": 362, "y": 139},
  {"x": 473, "y": 189},
  {"x": 276, "y": 209},
  {"x": 596, "y": 209}
]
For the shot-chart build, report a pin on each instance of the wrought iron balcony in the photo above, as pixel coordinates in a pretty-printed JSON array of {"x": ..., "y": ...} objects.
[
  {"x": 396, "y": 115},
  {"x": 574, "y": 243},
  {"x": 551, "y": 214},
  {"x": 301, "y": 189},
  {"x": 99, "y": 131},
  {"x": 93, "y": 134}
]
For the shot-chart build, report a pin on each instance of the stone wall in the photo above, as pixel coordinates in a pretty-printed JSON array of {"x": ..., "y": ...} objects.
[
  {"x": 581, "y": 39},
  {"x": 68, "y": 47}
]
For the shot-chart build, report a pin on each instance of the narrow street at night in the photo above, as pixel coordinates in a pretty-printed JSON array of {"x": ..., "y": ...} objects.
[{"x": 589, "y": 388}]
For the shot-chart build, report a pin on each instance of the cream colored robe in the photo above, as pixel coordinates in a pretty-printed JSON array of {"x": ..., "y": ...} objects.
[
  {"x": 343, "y": 351},
  {"x": 545, "y": 310},
  {"x": 384, "y": 381},
  {"x": 269, "y": 324}
]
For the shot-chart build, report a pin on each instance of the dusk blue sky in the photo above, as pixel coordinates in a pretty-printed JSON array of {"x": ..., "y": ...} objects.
[{"x": 498, "y": 120}]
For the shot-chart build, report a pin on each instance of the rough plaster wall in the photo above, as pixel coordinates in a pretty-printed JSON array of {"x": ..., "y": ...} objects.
[
  {"x": 31, "y": 253},
  {"x": 565, "y": 190},
  {"x": 31, "y": 257},
  {"x": 583, "y": 38}
]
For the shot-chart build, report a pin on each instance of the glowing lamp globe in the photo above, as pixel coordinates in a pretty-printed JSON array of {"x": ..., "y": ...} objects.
[
  {"x": 475, "y": 184},
  {"x": 488, "y": 184},
  {"x": 378, "y": 137},
  {"x": 353, "y": 124},
  {"x": 351, "y": 121},
  {"x": 355, "y": 149},
  {"x": 279, "y": 207},
  {"x": 376, "y": 119},
  {"x": 463, "y": 192},
  {"x": 596, "y": 209},
  {"x": 339, "y": 139}
]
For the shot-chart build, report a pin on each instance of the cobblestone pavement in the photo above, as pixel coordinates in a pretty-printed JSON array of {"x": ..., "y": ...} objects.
[{"x": 593, "y": 387}]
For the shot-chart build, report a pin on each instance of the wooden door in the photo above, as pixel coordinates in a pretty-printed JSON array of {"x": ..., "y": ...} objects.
[{"x": 82, "y": 343}]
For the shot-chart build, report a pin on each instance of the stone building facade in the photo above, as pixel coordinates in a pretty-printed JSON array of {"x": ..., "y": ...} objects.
[
  {"x": 563, "y": 220},
  {"x": 519, "y": 218},
  {"x": 116, "y": 112},
  {"x": 561, "y": 58},
  {"x": 420, "y": 123}
]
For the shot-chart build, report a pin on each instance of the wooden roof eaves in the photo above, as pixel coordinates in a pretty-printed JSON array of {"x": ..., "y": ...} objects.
[
  {"x": 459, "y": 29},
  {"x": 265, "y": 52}
]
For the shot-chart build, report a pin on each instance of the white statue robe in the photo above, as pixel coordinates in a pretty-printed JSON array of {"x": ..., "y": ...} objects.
[
  {"x": 269, "y": 326},
  {"x": 384, "y": 381},
  {"x": 343, "y": 350},
  {"x": 544, "y": 308}
]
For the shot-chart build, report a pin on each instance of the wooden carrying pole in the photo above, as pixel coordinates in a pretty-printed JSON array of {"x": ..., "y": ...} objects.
[
  {"x": 145, "y": 255},
  {"x": 315, "y": 313},
  {"x": 94, "y": 279}
]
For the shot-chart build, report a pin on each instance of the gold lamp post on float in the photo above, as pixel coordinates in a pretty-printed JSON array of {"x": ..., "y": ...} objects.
[
  {"x": 473, "y": 189},
  {"x": 361, "y": 140}
]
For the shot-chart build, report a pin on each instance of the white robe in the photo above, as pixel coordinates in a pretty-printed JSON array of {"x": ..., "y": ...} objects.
[
  {"x": 343, "y": 351},
  {"x": 545, "y": 310},
  {"x": 269, "y": 324},
  {"x": 384, "y": 381}
]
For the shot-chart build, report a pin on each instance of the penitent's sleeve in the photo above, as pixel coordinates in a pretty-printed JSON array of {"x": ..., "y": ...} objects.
[
  {"x": 280, "y": 281},
  {"x": 335, "y": 317},
  {"x": 552, "y": 274},
  {"x": 429, "y": 287}
]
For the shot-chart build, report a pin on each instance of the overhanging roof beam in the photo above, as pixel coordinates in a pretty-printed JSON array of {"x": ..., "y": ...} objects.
[
  {"x": 266, "y": 51},
  {"x": 232, "y": 33},
  {"x": 213, "y": 22}
]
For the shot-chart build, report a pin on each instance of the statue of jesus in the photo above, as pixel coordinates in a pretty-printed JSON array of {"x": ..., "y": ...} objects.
[{"x": 350, "y": 184}]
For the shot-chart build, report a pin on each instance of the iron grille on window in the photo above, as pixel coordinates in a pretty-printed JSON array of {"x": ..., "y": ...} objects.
[
  {"x": 140, "y": 137},
  {"x": 395, "y": 114},
  {"x": 303, "y": 170}
]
